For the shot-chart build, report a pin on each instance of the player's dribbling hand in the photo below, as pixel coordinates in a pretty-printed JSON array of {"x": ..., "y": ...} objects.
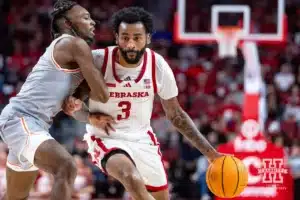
[
  {"x": 102, "y": 121},
  {"x": 217, "y": 155},
  {"x": 71, "y": 105}
]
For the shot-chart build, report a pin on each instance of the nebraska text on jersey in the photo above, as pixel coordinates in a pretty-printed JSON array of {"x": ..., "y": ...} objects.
[{"x": 128, "y": 94}]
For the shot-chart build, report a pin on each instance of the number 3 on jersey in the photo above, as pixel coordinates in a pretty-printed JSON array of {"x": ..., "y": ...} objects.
[{"x": 126, "y": 106}]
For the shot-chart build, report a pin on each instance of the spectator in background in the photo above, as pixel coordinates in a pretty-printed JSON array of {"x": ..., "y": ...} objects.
[
  {"x": 43, "y": 186},
  {"x": 200, "y": 175},
  {"x": 188, "y": 56},
  {"x": 294, "y": 162},
  {"x": 293, "y": 103},
  {"x": 83, "y": 184},
  {"x": 285, "y": 78}
]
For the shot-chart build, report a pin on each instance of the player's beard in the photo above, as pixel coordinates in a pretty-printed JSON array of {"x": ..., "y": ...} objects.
[{"x": 137, "y": 58}]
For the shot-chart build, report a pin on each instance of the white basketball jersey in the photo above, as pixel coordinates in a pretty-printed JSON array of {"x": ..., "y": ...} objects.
[{"x": 131, "y": 98}]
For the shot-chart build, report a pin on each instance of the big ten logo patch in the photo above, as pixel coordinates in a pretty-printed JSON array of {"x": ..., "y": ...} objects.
[{"x": 272, "y": 170}]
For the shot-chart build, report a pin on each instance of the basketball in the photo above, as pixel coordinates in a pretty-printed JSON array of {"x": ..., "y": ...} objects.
[{"x": 227, "y": 177}]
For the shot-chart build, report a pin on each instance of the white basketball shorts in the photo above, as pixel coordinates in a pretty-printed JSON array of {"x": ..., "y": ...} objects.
[{"x": 146, "y": 157}]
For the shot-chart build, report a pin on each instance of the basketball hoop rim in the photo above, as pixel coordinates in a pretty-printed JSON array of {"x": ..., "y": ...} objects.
[
  {"x": 229, "y": 28},
  {"x": 195, "y": 41},
  {"x": 234, "y": 31}
]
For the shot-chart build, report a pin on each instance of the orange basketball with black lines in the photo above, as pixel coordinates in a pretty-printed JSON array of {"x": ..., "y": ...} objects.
[{"x": 227, "y": 177}]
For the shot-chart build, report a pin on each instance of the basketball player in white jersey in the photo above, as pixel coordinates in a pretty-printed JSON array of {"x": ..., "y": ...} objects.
[
  {"x": 25, "y": 121},
  {"x": 128, "y": 150}
]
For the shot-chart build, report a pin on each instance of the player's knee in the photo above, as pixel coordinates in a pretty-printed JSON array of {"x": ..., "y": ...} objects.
[
  {"x": 67, "y": 170},
  {"x": 132, "y": 179}
]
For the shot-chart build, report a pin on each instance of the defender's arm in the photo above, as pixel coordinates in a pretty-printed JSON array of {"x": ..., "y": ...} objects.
[{"x": 83, "y": 56}]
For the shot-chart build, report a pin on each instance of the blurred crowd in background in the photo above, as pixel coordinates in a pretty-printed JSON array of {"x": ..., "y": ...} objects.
[{"x": 211, "y": 90}]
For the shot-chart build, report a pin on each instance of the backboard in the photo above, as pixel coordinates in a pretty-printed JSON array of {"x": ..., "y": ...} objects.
[{"x": 198, "y": 22}]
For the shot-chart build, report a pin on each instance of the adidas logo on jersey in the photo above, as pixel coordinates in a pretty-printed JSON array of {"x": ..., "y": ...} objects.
[
  {"x": 127, "y": 78},
  {"x": 127, "y": 85}
]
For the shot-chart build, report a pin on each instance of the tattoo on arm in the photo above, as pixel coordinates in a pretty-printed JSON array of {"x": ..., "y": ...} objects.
[{"x": 185, "y": 125}]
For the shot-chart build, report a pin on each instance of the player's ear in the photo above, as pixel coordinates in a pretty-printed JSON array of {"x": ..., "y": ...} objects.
[
  {"x": 148, "y": 38},
  {"x": 68, "y": 23}
]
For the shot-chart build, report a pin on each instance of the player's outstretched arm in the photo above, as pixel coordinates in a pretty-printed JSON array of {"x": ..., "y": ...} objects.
[
  {"x": 83, "y": 57},
  {"x": 185, "y": 125},
  {"x": 168, "y": 91}
]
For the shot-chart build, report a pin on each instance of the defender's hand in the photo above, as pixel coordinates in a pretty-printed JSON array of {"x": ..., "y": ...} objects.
[{"x": 71, "y": 105}]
